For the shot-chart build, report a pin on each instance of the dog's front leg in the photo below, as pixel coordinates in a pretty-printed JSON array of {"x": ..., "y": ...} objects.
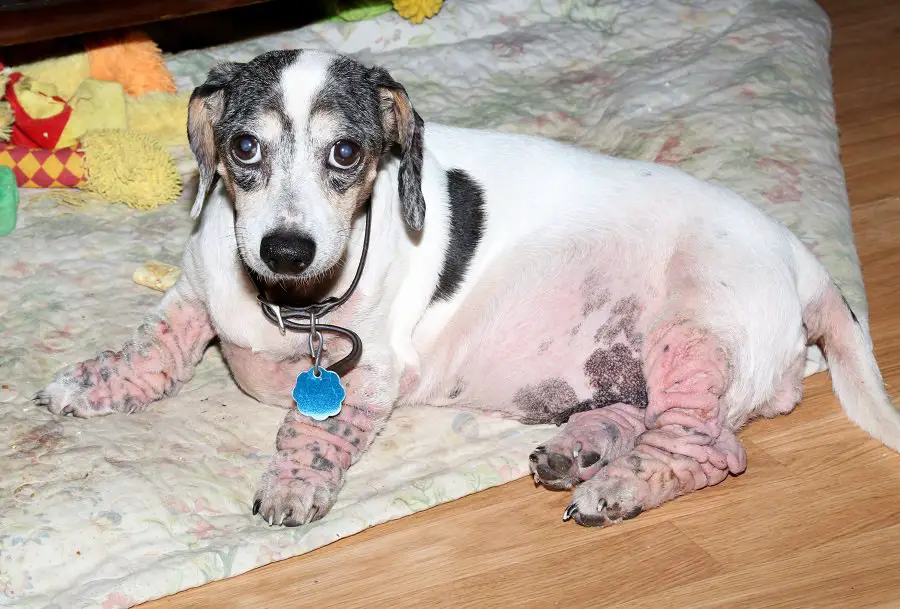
[
  {"x": 153, "y": 365},
  {"x": 312, "y": 457}
]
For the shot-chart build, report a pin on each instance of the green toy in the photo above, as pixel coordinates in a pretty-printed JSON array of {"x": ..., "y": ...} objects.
[{"x": 9, "y": 200}]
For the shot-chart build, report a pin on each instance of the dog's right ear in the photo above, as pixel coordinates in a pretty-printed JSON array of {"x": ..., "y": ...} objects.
[{"x": 204, "y": 109}]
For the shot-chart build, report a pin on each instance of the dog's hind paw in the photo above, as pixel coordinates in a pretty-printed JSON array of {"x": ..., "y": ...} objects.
[
  {"x": 294, "y": 501},
  {"x": 588, "y": 442}
]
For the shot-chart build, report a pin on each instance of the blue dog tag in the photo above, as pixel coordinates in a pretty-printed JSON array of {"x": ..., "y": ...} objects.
[{"x": 319, "y": 397}]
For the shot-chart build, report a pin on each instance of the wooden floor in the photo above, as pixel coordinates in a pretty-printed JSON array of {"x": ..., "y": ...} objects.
[{"x": 814, "y": 522}]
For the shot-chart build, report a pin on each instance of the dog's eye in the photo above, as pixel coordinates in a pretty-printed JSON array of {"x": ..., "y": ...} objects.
[
  {"x": 245, "y": 149},
  {"x": 344, "y": 154}
]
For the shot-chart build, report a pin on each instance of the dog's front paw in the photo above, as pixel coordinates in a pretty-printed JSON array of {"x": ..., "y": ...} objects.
[
  {"x": 88, "y": 389},
  {"x": 300, "y": 498},
  {"x": 605, "y": 500}
]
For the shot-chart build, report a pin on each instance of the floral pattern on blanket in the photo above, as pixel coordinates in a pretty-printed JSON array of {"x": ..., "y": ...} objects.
[{"x": 115, "y": 511}]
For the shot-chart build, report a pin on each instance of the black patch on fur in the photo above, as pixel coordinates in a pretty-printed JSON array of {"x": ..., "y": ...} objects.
[
  {"x": 616, "y": 374},
  {"x": 622, "y": 321},
  {"x": 254, "y": 89},
  {"x": 550, "y": 401},
  {"x": 412, "y": 146},
  {"x": 351, "y": 95},
  {"x": 593, "y": 293},
  {"x": 466, "y": 201}
]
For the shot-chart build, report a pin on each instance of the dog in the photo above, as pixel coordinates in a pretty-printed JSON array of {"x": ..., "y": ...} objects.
[{"x": 648, "y": 313}]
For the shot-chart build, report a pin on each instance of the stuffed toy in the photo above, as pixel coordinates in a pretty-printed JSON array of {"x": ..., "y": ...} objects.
[
  {"x": 417, "y": 11},
  {"x": 118, "y": 166},
  {"x": 99, "y": 121}
]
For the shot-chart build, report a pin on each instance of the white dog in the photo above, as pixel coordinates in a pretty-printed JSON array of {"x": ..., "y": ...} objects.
[{"x": 652, "y": 313}]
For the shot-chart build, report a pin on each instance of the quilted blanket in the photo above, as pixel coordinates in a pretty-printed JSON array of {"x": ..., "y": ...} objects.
[{"x": 114, "y": 511}]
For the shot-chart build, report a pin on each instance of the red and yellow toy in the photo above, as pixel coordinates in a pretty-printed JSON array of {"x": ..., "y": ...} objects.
[{"x": 98, "y": 121}]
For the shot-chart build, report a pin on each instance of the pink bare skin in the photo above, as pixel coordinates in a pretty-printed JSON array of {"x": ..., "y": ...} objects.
[
  {"x": 687, "y": 445},
  {"x": 153, "y": 366},
  {"x": 306, "y": 473},
  {"x": 588, "y": 442}
]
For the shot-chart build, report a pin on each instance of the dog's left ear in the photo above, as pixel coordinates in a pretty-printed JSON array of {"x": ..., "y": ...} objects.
[
  {"x": 403, "y": 126},
  {"x": 204, "y": 109}
]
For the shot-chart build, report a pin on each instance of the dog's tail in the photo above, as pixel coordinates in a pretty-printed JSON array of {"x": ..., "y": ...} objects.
[{"x": 847, "y": 348}]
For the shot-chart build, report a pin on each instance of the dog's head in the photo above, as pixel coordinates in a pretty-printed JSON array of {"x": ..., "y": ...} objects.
[{"x": 297, "y": 138}]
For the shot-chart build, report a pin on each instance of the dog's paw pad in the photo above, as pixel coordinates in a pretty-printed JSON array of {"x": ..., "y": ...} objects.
[
  {"x": 292, "y": 502},
  {"x": 605, "y": 500}
]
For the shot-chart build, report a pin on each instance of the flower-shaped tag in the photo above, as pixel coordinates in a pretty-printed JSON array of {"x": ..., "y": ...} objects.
[{"x": 319, "y": 397}]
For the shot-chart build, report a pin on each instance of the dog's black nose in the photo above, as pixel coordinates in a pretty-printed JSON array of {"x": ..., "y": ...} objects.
[{"x": 287, "y": 253}]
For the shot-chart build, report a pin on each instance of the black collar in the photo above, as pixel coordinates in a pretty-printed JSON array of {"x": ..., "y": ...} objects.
[{"x": 291, "y": 318}]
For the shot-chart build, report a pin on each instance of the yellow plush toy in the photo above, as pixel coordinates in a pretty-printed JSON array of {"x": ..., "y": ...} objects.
[{"x": 417, "y": 11}]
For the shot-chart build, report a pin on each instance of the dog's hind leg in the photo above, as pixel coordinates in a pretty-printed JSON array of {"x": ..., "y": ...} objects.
[
  {"x": 153, "y": 365},
  {"x": 688, "y": 444}
]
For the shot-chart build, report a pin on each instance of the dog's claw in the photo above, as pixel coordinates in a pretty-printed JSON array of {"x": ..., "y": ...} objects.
[
  {"x": 256, "y": 505},
  {"x": 576, "y": 450},
  {"x": 570, "y": 511}
]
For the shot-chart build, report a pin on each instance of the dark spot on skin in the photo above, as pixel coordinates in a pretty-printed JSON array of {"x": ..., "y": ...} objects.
[
  {"x": 549, "y": 401},
  {"x": 347, "y": 432},
  {"x": 612, "y": 431},
  {"x": 84, "y": 379},
  {"x": 849, "y": 308},
  {"x": 622, "y": 322},
  {"x": 321, "y": 464},
  {"x": 294, "y": 472},
  {"x": 456, "y": 391},
  {"x": 633, "y": 513},
  {"x": 544, "y": 346},
  {"x": 355, "y": 441},
  {"x": 588, "y": 458},
  {"x": 593, "y": 293},
  {"x": 575, "y": 330},
  {"x": 635, "y": 462},
  {"x": 614, "y": 511},
  {"x": 466, "y": 201},
  {"x": 666, "y": 349},
  {"x": 291, "y": 432},
  {"x": 105, "y": 373},
  {"x": 616, "y": 374}
]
